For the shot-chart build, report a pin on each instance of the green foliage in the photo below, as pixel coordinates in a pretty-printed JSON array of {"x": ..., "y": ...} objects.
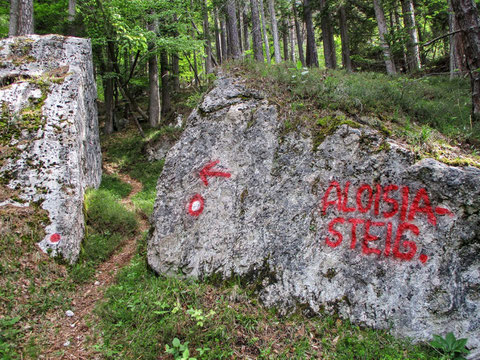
[
  {"x": 178, "y": 350},
  {"x": 108, "y": 225},
  {"x": 50, "y": 16},
  {"x": 126, "y": 152},
  {"x": 4, "y": 17},
  {"x": 9, "y": 334},
  {"x": 105, "y": 215},
  {"x": 115, "y": 186},
  {"x": 433, "y": 102},
  {"x": 144, "y": 314},
  {"x": 450, "y": 347}
]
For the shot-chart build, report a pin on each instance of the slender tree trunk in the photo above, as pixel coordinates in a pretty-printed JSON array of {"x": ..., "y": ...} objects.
[
  {"x": 466, "y": 14},
  {"x": 291, "y": 38},
  {"x": 273, "y": 18},
  {"x": 457, "y": 64},
  {"x": 175, "y": 64},
  {"x": 285, "y": 39},
  {"x": 256, "y": 33},
  {"x": 223, "y": 38},
  {"x": 218, "y": 44},
  {"x": 328, "y": 42},
  {"x": 14, "y": 10},
  {"x": 154, "y": 106},
  {"x": 208, "y": 45},
  {"x": 346, "y": 61},
  {"x": 299, "y": 34},
  {"x": 21, "y": 17},
  {"x": 240, "y": 29},
  {"x": 176, "y": 72},
  {"x": 265, "y": 34},
  {"x": 166, "y": 100},
  {"x": 109, "y": 105},
  {"x": 234, "y": 42},
  {"x": 72, "y": 4},
  {"x": 312, "y": 57},
  {"x": 246, "y": 38},
  {"x": 382, "y": 30},
  {"x": 413, "y": 50}
]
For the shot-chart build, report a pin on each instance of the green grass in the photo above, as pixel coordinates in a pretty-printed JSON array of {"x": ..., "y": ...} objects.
[
  {"x": 115, "y": 186},
  {"x": 108, "y": 224},
  {"x": 143, "y": 313},
  {"x": 126, "y": 152},
  {"x": 404, "y": 106},
  {"x": 30, "y": 285}
]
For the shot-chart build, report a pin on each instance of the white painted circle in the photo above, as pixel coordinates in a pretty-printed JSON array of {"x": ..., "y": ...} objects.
[{"x": 196, "y": 205}]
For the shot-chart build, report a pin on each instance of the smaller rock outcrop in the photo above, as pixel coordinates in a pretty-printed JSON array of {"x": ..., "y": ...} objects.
[
  {"x": 49, "y": 133},
  {"x": 344, "y": 221}
]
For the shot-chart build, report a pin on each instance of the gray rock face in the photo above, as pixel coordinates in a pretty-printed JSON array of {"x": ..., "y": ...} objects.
[
  {"x": 356, "y": 227},
  {"x": 48, "y": 104}
]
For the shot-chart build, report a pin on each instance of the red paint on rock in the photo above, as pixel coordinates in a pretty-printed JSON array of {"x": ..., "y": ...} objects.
[
  {"x": 207, "y": 171},
  {"x": 55, "y": 238},
  {"x": 196, "y": 204}
]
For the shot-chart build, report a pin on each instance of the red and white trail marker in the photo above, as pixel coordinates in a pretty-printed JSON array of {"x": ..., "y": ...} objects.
[{"x": 195, "y": 205}]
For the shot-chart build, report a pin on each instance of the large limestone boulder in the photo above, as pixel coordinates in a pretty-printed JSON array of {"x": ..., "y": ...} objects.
[
  {"x": 49, "y": 133},
  {"x": 352, "y": 224}
]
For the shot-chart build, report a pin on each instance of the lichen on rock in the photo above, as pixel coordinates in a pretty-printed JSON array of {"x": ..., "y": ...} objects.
[
  {"x": 49, "y": 132},
  {"x": 347, "y": 222}
]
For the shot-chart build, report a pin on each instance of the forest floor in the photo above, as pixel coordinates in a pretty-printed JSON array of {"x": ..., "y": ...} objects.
[
  {"x": 77, "y": 331},
  {"x": 122, "y": 310}
]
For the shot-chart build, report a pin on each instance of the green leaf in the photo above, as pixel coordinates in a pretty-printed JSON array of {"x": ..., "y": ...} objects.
[{"x": 176, "y": 342}]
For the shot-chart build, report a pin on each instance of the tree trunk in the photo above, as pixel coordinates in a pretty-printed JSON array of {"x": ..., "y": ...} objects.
[
  {"x": 346, "y": 62},
  {"x": 176, "y": 72},
  {"x": 240, "y": 29},
  {"x": 218, "y": 44},
  {"x": 206, "y": 34},
  {"x": 246, "y": 38},
  {"x": 285, "y": 39},
  {"x": 154, "y": 90},
  {"x": 299, "y": 34},
  {"x": 312, "y": 57},
  {"x": 273, "y": 18},
  {"x": 291, "y": 38},
  {"x": 175, "y": 64},
  {"x": 256, "y": 33},
  {"x": 223, "y": 38},
  {"x": 457, "y": 63},
  {"x": 232, "y": 25},
  {"x": 265, "y": 34},
  {"x": 72, "y": 4},
  {"x": 328, "y": 42},
  {"x": 466, "y": 14},
  {"x": 166, "y": 101},
  {"x": 109, "y": 105},
  {"x": 12, "y": 29},
  {"x": 382, "y": 30},
  {"x": 413, "y": 50},
  {"x": 21, "y": 17}
]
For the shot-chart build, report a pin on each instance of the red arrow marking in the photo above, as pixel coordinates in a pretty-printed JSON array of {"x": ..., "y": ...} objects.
[{"x": 206, "y": 171}]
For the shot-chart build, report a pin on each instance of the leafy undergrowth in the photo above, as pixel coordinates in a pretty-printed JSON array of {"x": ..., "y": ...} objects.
[
  {"x": 149, "y": 317},
  {"x": 431, "y": 115}
]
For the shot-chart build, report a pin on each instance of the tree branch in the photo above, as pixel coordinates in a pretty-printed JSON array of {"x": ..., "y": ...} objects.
[{"x": 441, "y": 37}]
